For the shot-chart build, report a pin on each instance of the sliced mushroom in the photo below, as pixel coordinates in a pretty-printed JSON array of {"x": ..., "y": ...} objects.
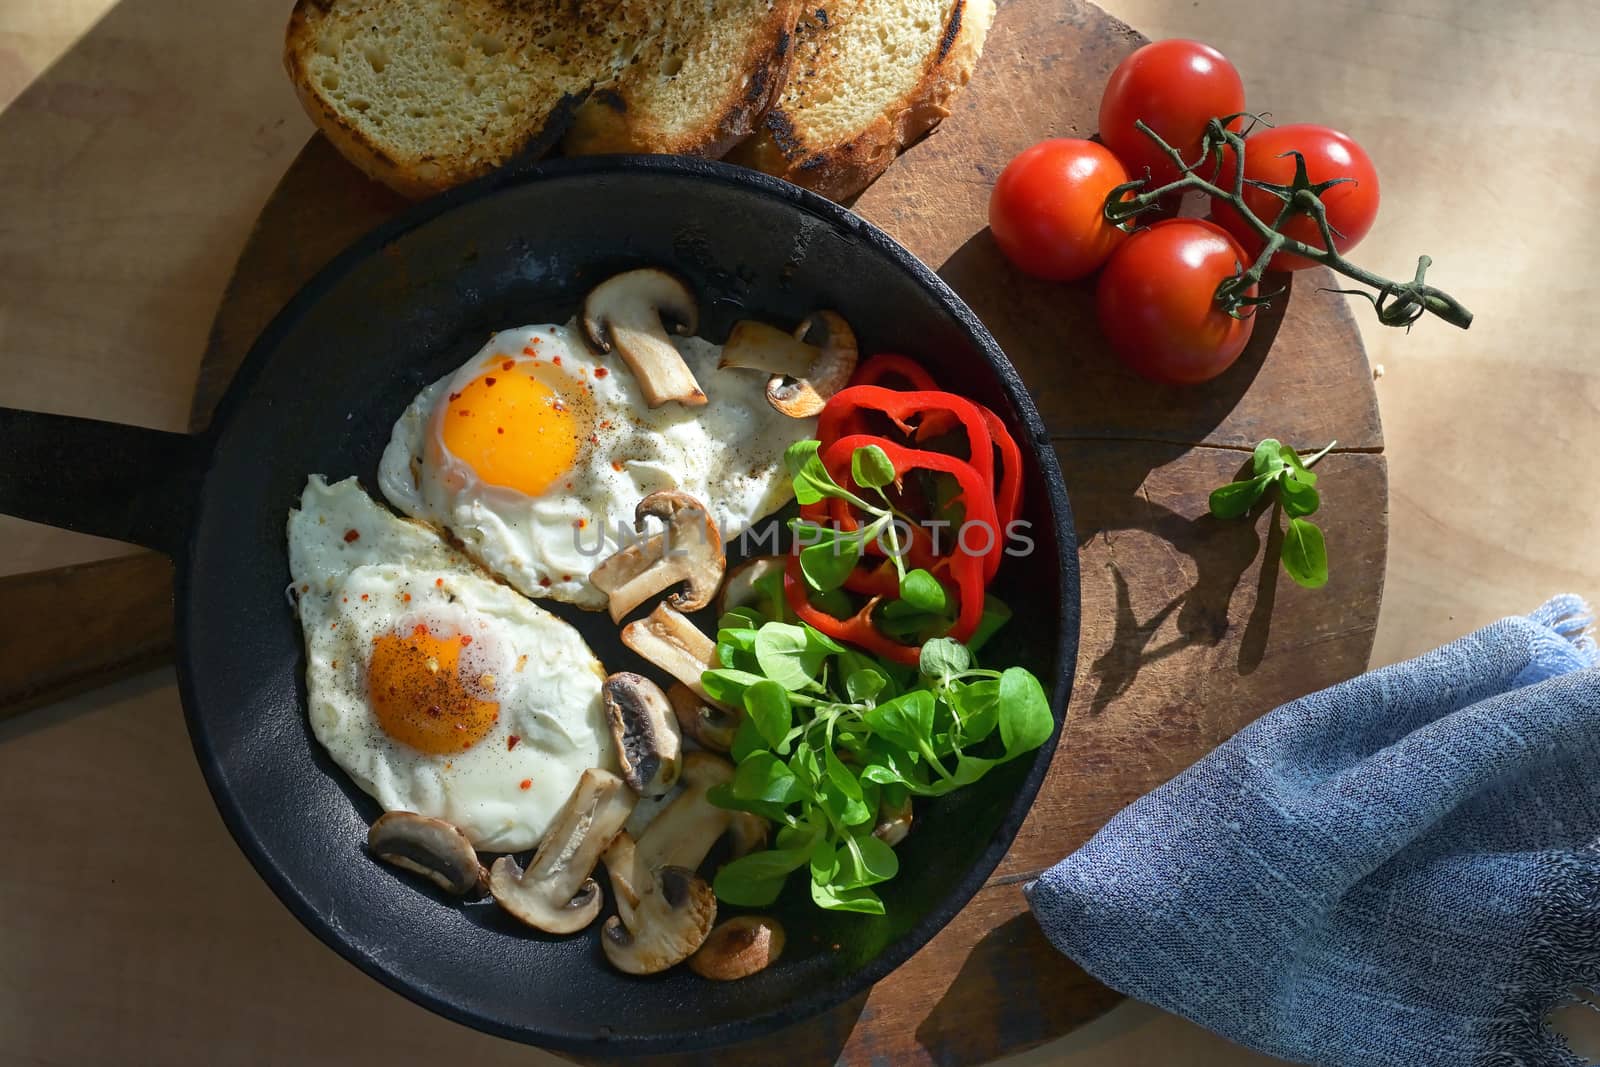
[
  {"x": 663, "y": 914},
  {"x": 801, "y": 395},
  {"x": 555, "y": 894},
  {"x": 430, "y": 847},
  {"x": 739, "y": 948},
  {"x": 747, "y": 832},
  {"x": 673, "y": 643},
  {"x": 711, "y": 725},
  {"x": 646, "y": 732},
  {"x": 629, "y": 312},
  {"x": 754, "y": 345},
  {"x": 684, "y": 832},
  {"x": 739, "y": 591},
  {"x": 689, "y": 552},
  {"x": 894, "y": 822}
]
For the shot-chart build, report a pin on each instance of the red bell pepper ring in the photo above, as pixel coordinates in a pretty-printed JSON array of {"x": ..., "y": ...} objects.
[
  {"x": 969, "y": 570},
  {"x": 836, "y": 418},
  {"x": 984, "y": 430},
  {"x": 1008, "y": 497},
  {"x": 889, "y": 365}
]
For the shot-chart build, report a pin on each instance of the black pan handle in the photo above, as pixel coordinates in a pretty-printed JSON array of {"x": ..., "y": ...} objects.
[{"x": 123, "y": 482}]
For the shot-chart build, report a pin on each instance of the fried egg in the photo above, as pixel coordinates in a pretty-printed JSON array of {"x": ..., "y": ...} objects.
[
  {"x": 435, "y": 688},
  {"x": 536, "y": 450}
]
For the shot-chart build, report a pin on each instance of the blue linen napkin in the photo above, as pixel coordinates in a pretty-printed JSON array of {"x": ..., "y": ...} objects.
[{"x": 1400, "y": 871}]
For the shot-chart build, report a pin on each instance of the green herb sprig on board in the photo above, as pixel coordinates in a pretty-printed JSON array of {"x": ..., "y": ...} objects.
[{"x": 1305, "y": 553}]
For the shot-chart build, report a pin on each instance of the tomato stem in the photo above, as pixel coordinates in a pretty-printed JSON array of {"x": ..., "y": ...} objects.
[{"x": 1396, "y": 303}]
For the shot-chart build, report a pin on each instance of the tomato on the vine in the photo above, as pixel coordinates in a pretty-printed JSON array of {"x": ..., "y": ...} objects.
[
  {"x": 1047, "y": 208},
  {"x": 1156, "y": 302},
  {"x": 1351, "y": 206},
  {"x": 1176, "y": 87}
]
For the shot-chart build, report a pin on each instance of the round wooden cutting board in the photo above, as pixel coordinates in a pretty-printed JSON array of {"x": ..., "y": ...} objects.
[{"x": 1189, "y": 629}]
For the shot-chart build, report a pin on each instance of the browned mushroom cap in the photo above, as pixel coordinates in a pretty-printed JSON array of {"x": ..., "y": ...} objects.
[
  {"x": 739, "y": 590},
  {"x": 800, "y": 395},
  {"x": 894, "y": 822},
  {"x": 646, "y": 732},
  {"x": 627, "y": 312},
  {"x": 739, "y": 948},
  {"x": 673, "y": 643},
  {"x": 711, "y": 725},
  {"x": 663, "y": 913},
  {"x": 689, "y": 552},
  {"x": 430, "y": 847},
  {"x": 555, "y": 894}
]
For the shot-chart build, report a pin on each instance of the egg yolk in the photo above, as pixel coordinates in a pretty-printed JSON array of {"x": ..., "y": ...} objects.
[
  {"x": 421, "y": 699},
  {"x": 512, "y": 429}
]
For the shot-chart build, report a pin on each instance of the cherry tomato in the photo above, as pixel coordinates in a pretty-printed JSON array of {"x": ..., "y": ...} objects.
[
  {"x": 1329, "y": 154},
  {"x": 1047, "y": 209},
  {"x": 1176, "y": 87},
  {"x": 1156, "y": 302}
]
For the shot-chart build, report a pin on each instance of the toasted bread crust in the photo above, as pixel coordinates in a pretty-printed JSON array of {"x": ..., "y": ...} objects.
[
  {"x": 427, "y": 174},
  {"x": 842, "y": 170},
  {"x": 608, "y": 123}
]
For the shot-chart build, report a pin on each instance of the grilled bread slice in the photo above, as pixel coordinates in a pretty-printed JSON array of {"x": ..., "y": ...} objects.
[
  {"x": 869, "y": 78},
  {"x": 705, "y": 71},
  {"x": 425, "y": 94}
]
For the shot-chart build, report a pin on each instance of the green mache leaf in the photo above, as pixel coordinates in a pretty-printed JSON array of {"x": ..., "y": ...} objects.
[
  {"x": 995, "y": 615},
  {"x": 766, "y": 778},
  {"x": 944, "y": 656},
  {"x": 736, "y": 648},
  {"x": 977, "y": 706},
  {"x": 1291, "y": 459},
  {"x": 906, "y": 721},
  {"x": 811, "y": 479},
  {"x": 1237, "y": 498},
  {"x": 822, "y": 641},
  {"x": 740, "y": 619},
  {"x": 862, "y": 900},
  {"x": 747, "y": 741},
  {"x": 1298, "y": 498},
  {"x": 787, "y": 656},
  {"x": 1268, "y": 457},
  {"x": 849, "y": 810},
  {"x": 1305, "y": 554},
  {"x": 840, "y": 775},
  {"x": 908, "y": 625},
  {"x": 754, "y": 881},
  {"x": 1025, "y": 717},
  {"x": 826, "y": 564},
  {"x": 800, "y": 836},
  {"x": 805, "y": 765},
  {"x": 824, "y": 861},
  {"x": 870, "y": 467},
  {"x": 766, "y": 703},
  {"x": 922, "y": 591},
  {"x": 726, "y": 685},
  {"x": 835, "y": 602},
  {"x": 768, "y": 590},
  {"x": 968, "y": 770},
  {"x": 864, "y": 683},
  {"x": 869, "y": 863},
  {"x": 722, "y": 796}
]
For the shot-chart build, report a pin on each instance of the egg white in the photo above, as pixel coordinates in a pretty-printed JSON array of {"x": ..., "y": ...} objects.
[
  {"x": 728, "y": 453},
  {"x": 392, "y": 575}
]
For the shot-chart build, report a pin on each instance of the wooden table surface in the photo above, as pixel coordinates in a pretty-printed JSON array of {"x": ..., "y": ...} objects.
[{"x": 139, "y": 138}]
